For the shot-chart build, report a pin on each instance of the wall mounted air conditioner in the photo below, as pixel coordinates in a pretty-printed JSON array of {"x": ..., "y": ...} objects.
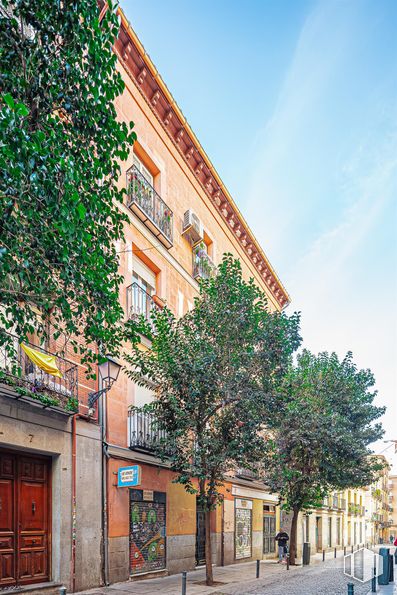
[{"x": 192, "y": 227}]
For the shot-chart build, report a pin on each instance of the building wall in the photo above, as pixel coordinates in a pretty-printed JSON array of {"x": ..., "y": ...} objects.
[
  {"x": 172, "y": 273},
  {"x": 393, "y": 504},
  {"x": 27, "y": 429}
]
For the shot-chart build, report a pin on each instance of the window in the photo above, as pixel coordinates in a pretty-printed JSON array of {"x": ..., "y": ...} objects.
[{"x": 142, "y": 169}]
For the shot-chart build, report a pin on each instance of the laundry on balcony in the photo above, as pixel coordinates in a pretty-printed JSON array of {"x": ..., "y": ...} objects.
[{"x": 45, "y": 362}]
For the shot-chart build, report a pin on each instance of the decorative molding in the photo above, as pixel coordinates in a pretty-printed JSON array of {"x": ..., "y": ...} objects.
[{"x": 140, "y": 68}]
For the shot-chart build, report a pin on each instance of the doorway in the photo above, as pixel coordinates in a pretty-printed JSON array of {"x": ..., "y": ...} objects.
[
  {"x": 269, "y": 529},
  {"x": 25, "y": 513},
  {"x": 200, "y": 534},
  {"x": 319, "y": 537}
]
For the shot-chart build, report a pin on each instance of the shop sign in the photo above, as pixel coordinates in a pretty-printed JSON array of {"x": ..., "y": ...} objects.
[
  {"x": 147, "y": 495},
  {"x": 247, "y": 504},
  {"x": 129, "y": 476}
]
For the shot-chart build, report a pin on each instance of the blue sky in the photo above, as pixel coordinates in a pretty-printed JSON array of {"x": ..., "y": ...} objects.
[{"x": 295, "y": 102}]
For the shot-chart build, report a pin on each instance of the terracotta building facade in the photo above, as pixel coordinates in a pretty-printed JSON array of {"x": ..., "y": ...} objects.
[
  {"x": 66, "y": 517},
  {"x": 181, "y": 221}
]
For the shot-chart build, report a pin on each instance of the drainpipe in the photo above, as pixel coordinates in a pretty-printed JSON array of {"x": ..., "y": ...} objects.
[{"x": 104, "y": 491}]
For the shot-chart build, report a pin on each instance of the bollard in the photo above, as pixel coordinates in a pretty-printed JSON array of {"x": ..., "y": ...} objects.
[
  {"x": 334, "y": 552},
  {"x": 350, "y": 589},
  {"x": 184, "y": 577},
  {"x": 306, "y": 554},
  {"x": 352, "y": 548},
  {"x": 323, "y": 555},
  {"x": 288, "y": 561},
  {"x": 344, "y": 550},
  {"x": 257, "y": 568},
  {"x": 373, "y": 582}
]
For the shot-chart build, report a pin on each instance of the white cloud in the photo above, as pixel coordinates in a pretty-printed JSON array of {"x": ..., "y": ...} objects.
[{"x": 319, "y": 197}]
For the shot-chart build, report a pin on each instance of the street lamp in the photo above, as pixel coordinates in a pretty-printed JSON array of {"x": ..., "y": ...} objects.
[{"x": 109, "y": 370}]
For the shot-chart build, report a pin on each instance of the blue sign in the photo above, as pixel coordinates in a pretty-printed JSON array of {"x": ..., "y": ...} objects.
[{"x": 129, "y": 476}]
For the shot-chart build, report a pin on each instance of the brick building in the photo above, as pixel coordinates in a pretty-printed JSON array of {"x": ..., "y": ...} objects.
[
  {"x": 63, "y": 518},
  {"x": 181, "y": 220}
]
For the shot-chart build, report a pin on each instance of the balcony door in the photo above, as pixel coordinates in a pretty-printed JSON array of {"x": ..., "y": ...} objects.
[
  {"x": 143, "y": 170},
  {"x": 143, "y": 287},
  {"x": 24, "y": 519}
]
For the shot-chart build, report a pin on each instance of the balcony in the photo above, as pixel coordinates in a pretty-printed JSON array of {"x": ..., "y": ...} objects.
[
  {"x": 144, "y": 435},
  {"x": 244, "y": 473},
  {"x": 25, "y": 381},
  {"x": 356, "y": 509},
  {"x": 342, "y": 504},
  {"x": 139, "y": 302},
  {"x": 203, "y": 267},
  {"x": 144, "y": 201}
]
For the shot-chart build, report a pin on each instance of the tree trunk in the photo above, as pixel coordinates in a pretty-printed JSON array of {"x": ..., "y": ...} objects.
[
  {"x": 293, "y": 536},
  {"x": 209, "y": 577}
]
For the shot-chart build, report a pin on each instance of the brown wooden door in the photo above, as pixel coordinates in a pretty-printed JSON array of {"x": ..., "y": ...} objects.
[{"x": 24, "y": 519}]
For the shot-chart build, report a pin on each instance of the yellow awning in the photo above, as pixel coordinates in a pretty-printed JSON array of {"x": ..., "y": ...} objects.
[{"x": 42, "y": 360}]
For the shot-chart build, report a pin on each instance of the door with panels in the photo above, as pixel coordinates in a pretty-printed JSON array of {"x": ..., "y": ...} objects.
[{"x": 24, "y": 519}]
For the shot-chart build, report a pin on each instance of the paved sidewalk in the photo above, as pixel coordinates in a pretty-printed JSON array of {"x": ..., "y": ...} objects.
[{"x": 320, "y": 578}]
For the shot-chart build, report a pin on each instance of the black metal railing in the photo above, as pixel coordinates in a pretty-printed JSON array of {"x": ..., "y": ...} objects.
[
  {"x": 144, "y": 432},
  {"x": 244, "y": 473},
  {"x": 203, "y": 267},
  {"x": 149, "y": 206},
  {"x": 139, "y": 302},
  {"x": 16, "y": 365}
]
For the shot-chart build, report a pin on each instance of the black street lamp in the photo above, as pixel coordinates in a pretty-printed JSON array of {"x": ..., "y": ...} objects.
[{"x": 109, "y": 370}]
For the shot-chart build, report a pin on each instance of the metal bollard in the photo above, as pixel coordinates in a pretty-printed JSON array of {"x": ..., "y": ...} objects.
[
  {"x": 184, "y": 578},
  {"x": 352, "y": 548},
  {"x": 334, "y": 552},
  {"x": 257, "y": 568},
  {"x": 323, "y": 555},
  {"x": 288, "y": 561},
  {"x": 344, "y": 550},
  {"x": 350, "y": 589}
]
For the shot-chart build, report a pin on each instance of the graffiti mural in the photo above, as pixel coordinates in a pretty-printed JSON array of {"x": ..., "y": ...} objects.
[
  {"x": 147, "y": 533},
  {"x": 243, "y": 528}
]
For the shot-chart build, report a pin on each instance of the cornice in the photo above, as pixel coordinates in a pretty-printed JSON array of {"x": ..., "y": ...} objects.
[{"x": 143, "y": 73}]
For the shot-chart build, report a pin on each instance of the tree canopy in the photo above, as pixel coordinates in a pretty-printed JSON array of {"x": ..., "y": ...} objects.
[
  {"x": 60, "y": 153},
  {"x": 206, "y": 367},
  {"x": 321, "y": 431}
]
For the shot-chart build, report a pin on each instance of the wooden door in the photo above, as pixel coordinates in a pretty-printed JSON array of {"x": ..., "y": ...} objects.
[
  {"x": 24, "y": 519},
  {"x": 8, "y": 537}
]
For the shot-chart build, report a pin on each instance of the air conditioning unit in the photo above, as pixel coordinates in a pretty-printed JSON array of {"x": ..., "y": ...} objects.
[{"x": 192, "y": 227}]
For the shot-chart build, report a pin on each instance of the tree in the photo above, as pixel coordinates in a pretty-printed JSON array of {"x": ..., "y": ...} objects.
[
  {"x": 206, "y": 369},
  {"x": 321, "y": 427},
  {"x": 60, "y": 150}
]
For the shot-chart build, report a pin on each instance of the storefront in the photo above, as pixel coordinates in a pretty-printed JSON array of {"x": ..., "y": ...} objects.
[
  {"x": 243, "y": 528},
  {"x": 147, "y": 531}
]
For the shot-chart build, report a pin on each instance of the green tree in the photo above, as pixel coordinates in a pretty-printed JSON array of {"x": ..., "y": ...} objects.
[
  {"x": 60, "y": 153},
  {"x": 206, "y": 367},
  {"x": 321, "y": 427}
]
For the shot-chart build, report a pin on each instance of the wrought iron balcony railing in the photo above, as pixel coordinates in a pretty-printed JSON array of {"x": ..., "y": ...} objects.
[
  {"x": 203, "y": 267},
  {"x": 144, "y": 433},
  {"x": 21, "y": 371},
  {"x": 139, "y": 302},
  {"x": 148, "y": 205}
]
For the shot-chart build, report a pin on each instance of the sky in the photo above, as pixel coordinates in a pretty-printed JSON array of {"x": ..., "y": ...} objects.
[{"x": 295, "y": 102}]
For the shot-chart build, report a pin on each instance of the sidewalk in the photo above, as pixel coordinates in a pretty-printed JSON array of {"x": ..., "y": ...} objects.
[{"x": 320, "y": 578}]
